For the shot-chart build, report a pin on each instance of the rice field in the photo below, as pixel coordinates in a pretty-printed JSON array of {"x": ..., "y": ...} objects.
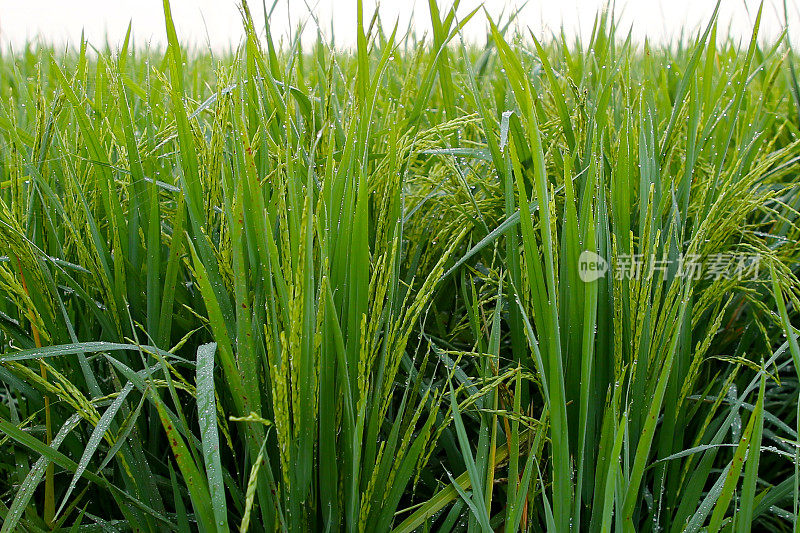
[{"x": 418, "y": 285}]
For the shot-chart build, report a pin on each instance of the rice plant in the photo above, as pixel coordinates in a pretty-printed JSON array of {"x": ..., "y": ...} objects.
[{"x": 421, "y": 285}]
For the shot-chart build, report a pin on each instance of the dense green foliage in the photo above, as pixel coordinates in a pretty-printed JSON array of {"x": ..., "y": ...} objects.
[{"x": 317, "y": 290}]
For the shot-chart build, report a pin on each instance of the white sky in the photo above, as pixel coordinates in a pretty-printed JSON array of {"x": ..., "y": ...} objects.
[{"x": 218, "y": 21}]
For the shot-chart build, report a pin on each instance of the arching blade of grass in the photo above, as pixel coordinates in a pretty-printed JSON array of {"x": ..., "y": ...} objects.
[
  {"x": 25, "y": 493},
  {"x": 97, "y": 435},
  {"x": 65, "y": 462},
  {"x": 207, "y": 414}
]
